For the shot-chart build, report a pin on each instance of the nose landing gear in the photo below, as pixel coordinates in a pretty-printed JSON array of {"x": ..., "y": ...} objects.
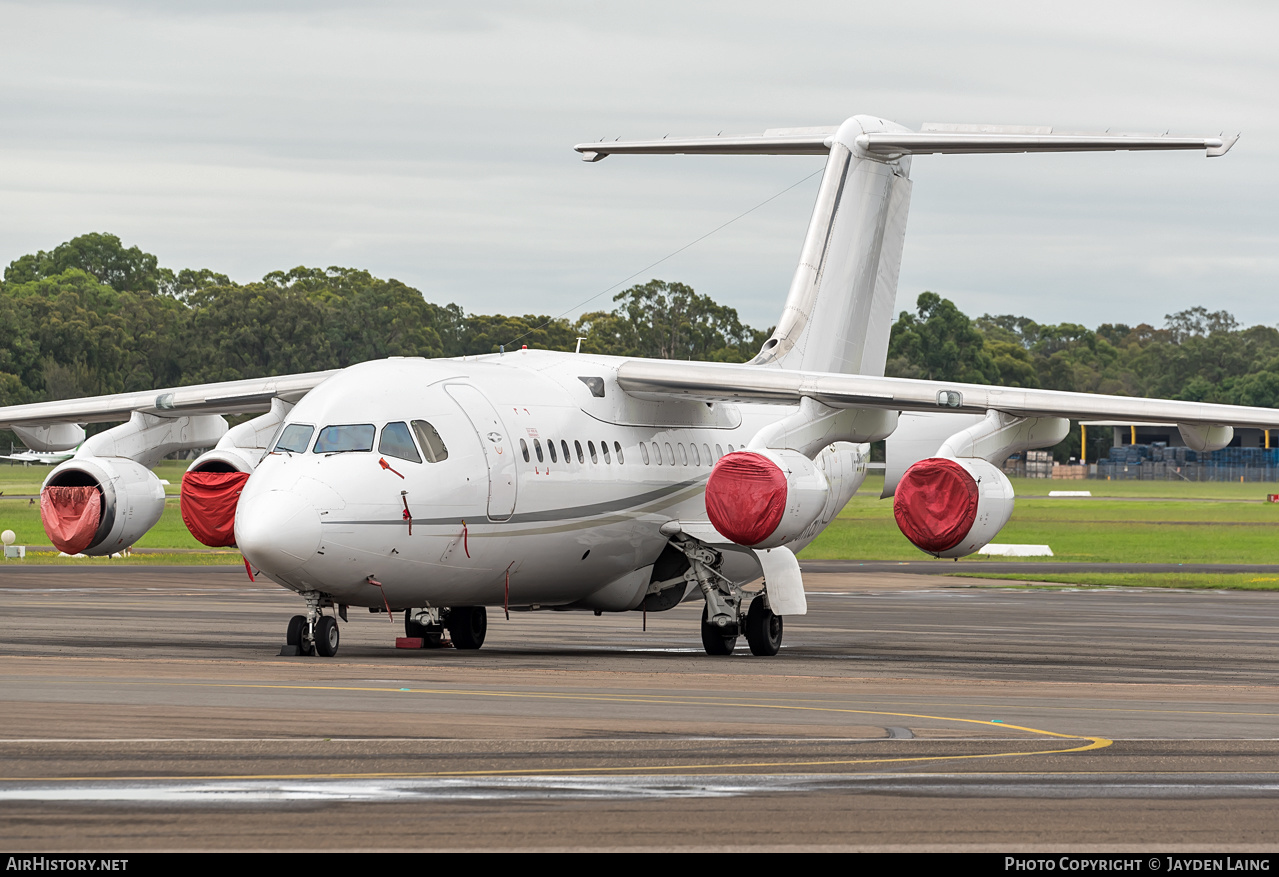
[{"x": 314, "y": 633}]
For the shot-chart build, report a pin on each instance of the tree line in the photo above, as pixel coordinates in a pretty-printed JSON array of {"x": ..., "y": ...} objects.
[{"x": 92, "y": 317}]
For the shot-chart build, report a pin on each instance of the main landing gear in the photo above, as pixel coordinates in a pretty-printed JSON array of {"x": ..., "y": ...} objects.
[
  {"x": 426, "y": 625},
  {"x": 723, "y": 620},
  {"x": 763, "y": 631},
  {"x": 466, "y": 627}
]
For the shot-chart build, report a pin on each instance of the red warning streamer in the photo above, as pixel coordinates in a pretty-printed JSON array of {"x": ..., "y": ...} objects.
[
  {"x": 375, "y": 583},
  {"x": 408, "y": 516}
]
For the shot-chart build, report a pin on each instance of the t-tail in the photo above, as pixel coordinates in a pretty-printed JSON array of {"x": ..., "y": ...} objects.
[{"x": 843, "y": 296}]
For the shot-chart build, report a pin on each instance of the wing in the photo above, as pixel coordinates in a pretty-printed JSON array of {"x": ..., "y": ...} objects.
[
  {"x": 712, "y": 382},
  {"x": 41, "y": 423}
]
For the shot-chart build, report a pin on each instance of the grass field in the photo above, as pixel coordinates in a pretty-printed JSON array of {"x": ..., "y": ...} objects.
[
  {"x": 1124, "y": 521},
  {"x": 23, "y": 518},
  {"x": 1231, "y": 581}
]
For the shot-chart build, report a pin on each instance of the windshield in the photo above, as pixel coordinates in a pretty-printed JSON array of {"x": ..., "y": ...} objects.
[
  {"x": 348, "y": 437},
  {"x": 295, "y": 438}
]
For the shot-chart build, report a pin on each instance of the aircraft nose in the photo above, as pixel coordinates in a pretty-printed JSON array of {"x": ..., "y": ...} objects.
[{"x": 277, "y": 531}]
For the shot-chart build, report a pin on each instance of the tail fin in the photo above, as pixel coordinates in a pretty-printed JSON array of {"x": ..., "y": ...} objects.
[{"x": 840, "y": 306}]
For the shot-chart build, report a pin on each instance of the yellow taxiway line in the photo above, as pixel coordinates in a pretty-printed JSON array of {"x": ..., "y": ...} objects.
[{"x": 1092, "y": 742}]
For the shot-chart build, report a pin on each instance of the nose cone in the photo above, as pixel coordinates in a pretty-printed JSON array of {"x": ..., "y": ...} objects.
[{"x": 277, "y": 531}]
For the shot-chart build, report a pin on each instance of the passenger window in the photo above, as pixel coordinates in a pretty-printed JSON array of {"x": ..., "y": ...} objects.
[
  {"x": 670, "y": 455},
  {"x": 432, "y": 445},
  {"x": 604, "y": 451},
  {"x": 537, "y": 449},
  {"x": 295, "y": 438},
  {"x": 617, "y": 446},
  {"x": 644, "y": 453},
  {"x": 590, "y": 446},
  {"x": 730, "y": 447},
  {"x": 397, "y": 442},
  {"x": 719, "y": 452},
  {"x": 550, "y": 449},
  {"x": 657, "y": 453},
  {"x": 578, "y": 447},
  {"x": 683, "y": 456},
  {"x": 564, "y": 448},
  {"x": 706, "y": 452},
  {"x": 524, "y": 449},
  {"x": 697, "y": 460},
  {"x": 345, "y": 438}
]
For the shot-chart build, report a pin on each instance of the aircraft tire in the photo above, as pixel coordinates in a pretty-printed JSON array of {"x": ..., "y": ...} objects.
[
  {"x": 295, "y": 635},
  {"x": 763, "y": 628},
  {"x": 432, "y": 635},
  {"x": 326, "y": 636},
  {"x": 468, "y": 625},
  {"x": 714, "y": 640},
  {"x": 411, "y": 627}
]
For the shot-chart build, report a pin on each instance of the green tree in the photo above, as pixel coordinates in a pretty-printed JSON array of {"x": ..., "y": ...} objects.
[
  {"x": 661, "y": 320},
  {"x": 938, "y": 342},
  {"x": 99, "y": 255}
]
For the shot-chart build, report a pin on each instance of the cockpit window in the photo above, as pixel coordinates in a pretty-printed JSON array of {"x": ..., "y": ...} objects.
[
  {"x": 396, "y": 442},
  {"x": 429, "y": 439},
  {"x": 295, "y": 438},
  {"x": 348, "y": 437}
]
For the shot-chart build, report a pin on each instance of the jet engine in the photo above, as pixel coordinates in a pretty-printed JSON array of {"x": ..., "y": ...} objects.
[
  {"x": 765, "y": 498},
  {"x": 950, "y": 507},
  {"x": 212, "y": 484},
  {"x": 99, "y": 505}
]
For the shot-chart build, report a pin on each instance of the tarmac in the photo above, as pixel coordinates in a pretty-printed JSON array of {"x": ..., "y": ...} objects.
[{"x": 146, "y": 708}]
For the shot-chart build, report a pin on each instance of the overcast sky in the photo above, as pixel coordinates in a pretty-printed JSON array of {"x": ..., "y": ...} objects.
[{"x": 432, "y": 143}]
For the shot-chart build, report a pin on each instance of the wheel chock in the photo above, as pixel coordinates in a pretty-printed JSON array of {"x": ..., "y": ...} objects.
[{"x": 410, "y": 642}]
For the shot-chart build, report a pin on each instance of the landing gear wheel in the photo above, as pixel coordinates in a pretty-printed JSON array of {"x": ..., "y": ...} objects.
[
  {"x": 432, "y": 635},
  {"x": 326, "y": 636},
  {"x": 763, "y": 628},
  {"x": 294, "y": 635},
  {"x": 467, "y": 625},
  {"x": 715, "y": 639},
  {"x": 412, "y": 628}
]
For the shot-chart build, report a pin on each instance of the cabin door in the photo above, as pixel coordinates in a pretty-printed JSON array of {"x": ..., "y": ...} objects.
[{"x": 499, "y": 449}]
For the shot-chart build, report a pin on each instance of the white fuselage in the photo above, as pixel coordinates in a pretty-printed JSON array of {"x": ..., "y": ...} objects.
[{"x": 508, "y": 516}]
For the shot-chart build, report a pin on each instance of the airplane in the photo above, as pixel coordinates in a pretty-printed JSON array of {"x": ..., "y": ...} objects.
[
  {"x": 542, "y": 480},
  {"x": 47, "y": 458}
]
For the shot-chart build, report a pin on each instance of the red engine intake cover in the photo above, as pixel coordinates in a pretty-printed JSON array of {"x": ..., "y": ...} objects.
[
  {"x": 746, "y": 497},
  {"x": 208, "y": 505},
  {"x": 935, "y": 504},
  {"x": 71, "y": 516}
]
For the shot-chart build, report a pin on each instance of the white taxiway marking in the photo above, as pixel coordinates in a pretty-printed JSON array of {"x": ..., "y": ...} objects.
[{"x": 257, "y": 792}]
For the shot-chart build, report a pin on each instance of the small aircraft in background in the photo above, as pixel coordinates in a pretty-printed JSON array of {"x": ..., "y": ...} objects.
[
  {"x": 48, "y": 458},
  {"x": 540, "y": 480}
]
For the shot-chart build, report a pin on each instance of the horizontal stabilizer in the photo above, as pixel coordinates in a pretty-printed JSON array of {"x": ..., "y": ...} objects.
[
  {"x": 957, "y": 139},
  {"x": 801, "y": 141},
  {"x": 962, "y": 142}
]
